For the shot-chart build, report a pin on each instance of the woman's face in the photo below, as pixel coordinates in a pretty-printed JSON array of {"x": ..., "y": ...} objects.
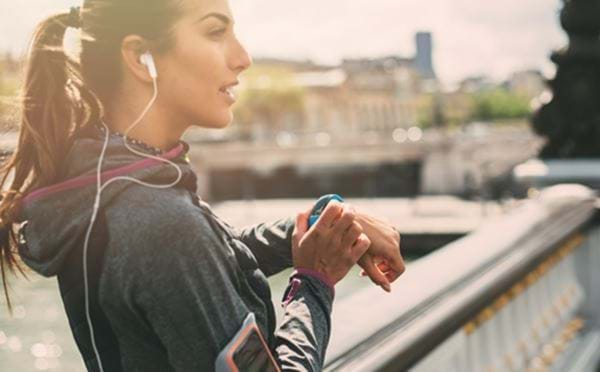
[{"x": 197, "y": 74}]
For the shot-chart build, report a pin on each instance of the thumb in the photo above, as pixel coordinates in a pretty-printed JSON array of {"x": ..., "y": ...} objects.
[{"x": 374, "y": 273}]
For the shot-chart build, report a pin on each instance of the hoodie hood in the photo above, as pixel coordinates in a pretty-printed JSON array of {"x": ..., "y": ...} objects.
[{"x": 55, "y": 218}]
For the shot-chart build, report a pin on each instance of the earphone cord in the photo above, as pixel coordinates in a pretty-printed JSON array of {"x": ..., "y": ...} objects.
[{"x": 99, "y": 188}]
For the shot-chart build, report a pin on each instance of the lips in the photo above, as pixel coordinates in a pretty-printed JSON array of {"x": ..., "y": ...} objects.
[
  {"x": 228, "y": 87},
  {"x": 228, "y": 90}
]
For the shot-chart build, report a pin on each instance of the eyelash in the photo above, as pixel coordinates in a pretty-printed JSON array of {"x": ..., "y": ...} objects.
[{"x": 218, "y": 32}]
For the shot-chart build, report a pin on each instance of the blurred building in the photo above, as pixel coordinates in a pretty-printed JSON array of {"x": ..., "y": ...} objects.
[
  {"x": 458, "y": 107},
  {"x": 528, "y": 83},
  {"x": 476, "y": 84},
  {"x": 358, "y": 96},
  {"x": 361, "y": 95},
  {"x": 424, "y": 58}
]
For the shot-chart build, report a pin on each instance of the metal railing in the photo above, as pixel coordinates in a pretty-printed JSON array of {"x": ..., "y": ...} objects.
[{"x": 516, "y": 294}]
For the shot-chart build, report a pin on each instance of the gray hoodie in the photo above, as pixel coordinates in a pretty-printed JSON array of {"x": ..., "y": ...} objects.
[{"x": 170, "y": 282}]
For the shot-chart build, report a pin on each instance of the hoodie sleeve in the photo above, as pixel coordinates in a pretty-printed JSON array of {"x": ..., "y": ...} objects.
[
  {"x": 271, "y": 244},
  {"x": 187, "y": 286},
  {"x": 303, "y": 335}
]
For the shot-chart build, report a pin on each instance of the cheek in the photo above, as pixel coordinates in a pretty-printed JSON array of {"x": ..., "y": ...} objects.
[
  {"x": 195, "y": 76},
  {"x": 192, "y": 77},
  {"x": 186, "y": 81},
  {"x": 201, "y": 71}
]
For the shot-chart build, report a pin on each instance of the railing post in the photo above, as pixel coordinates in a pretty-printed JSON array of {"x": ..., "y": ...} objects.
[{"x": 570, "y": 121}]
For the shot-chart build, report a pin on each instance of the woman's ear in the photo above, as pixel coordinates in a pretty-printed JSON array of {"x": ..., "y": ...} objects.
[{"x": 132, "y": 48}]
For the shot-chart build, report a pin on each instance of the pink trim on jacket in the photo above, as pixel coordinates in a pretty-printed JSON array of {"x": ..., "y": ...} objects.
[{"x": 87, "y": 180}]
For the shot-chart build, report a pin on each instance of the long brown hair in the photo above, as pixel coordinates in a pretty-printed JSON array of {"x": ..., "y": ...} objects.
[{"x": 61, "y": 94}]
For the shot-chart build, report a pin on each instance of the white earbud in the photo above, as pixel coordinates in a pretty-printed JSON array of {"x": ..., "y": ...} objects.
[{"x": 147, "y": 60}]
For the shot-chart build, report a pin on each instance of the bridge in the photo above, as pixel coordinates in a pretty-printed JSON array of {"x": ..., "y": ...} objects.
[
  {"x": 446, "y": 161},
  {"x": 449, "y": 161},
  {"x": 517, "y": 289},
  {"x": 519, "y": 293}
]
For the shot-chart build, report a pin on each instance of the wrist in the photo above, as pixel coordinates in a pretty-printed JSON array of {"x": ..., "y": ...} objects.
[{"x": 316, "y": 275}]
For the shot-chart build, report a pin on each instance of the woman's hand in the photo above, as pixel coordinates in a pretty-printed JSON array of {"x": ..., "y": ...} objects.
[
  {"x": 383, "y": 262},
  {"x": 334, "y": 243}
]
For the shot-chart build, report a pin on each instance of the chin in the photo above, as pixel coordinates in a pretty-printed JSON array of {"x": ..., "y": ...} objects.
[
  {"x": 224, "y": 123},
  {"x": 217, "y": 122}
]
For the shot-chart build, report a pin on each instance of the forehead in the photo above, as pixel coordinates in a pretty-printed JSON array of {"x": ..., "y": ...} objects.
[{"x": 199, "y": 8}]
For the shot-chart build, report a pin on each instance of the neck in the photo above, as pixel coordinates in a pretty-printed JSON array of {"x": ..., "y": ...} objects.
[{"x": 157, "y": 128}]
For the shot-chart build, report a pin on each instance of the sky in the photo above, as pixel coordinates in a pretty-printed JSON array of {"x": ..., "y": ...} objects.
[{"x": 471, "y": 37}]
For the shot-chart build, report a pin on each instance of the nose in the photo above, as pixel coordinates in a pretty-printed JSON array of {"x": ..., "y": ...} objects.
[{"x": 240, "y": 60}]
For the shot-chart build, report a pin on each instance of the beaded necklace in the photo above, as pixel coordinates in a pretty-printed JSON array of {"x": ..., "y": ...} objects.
[{"x": 153, "y": 150}]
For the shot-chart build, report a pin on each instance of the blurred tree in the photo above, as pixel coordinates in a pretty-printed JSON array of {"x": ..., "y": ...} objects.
[
  {"x": 269, "y": 96},
  {"x": 9, "y": 87},
  {"x": 425, "y": 110},
  {"x": 438, "y": 115},
  {"x": 571, "y": 120},
  {"x": 499, "y": 104}
]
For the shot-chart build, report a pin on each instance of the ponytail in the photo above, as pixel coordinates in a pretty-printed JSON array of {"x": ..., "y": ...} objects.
[{"x": 55, "y": 104}]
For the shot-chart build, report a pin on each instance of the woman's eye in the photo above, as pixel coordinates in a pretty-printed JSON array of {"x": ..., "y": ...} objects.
[{"x": 218, "y": 32}]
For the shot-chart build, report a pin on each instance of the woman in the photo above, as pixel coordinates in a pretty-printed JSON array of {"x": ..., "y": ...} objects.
[{"x": 150, "y": 278}]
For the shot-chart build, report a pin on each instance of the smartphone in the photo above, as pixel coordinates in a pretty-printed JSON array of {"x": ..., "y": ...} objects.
[
  {"x": 247, "y": 351},
  {"x": 320, "y": 207}
]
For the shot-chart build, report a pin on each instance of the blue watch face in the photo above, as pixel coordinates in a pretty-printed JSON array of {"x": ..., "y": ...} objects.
[
  {"x": 319, "y": 209},
  {"x": 320, "y": 206}
]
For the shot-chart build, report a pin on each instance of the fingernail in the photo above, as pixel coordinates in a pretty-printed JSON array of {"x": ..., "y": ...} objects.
[{"x": 387, "y": 288}]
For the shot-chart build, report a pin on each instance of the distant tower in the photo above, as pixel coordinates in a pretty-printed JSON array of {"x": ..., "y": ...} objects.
[{"x": 424, "y": 59}]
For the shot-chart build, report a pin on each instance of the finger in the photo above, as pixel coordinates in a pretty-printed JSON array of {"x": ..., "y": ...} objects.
[
  {"x": 389, "y": 272},
  {"x": 351, "y": 234},
  {"x": 374, "y": 273},
  {"x": 359, "y": 248},
  {"x": 344, "y": 222},
  {"x": 396, "y": 263},
  {"x": 383, "y": 266},
  {"x": 301, "y": 223},
  {"x": 329, "y": 215},
  {"x": 391, "y": 276}
]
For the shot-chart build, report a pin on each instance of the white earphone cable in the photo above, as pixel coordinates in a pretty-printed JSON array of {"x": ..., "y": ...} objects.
[{"x": 100, "y": 187}]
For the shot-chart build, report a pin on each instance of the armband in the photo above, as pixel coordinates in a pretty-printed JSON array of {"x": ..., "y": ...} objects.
[{"x": 247, "y": 351}]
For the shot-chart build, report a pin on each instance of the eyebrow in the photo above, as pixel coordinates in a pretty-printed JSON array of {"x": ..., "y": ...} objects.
[{"x": 222, "y": 17}]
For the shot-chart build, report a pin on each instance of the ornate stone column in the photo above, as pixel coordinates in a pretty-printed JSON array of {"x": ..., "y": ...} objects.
[{"x": 571, "y": 120}]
